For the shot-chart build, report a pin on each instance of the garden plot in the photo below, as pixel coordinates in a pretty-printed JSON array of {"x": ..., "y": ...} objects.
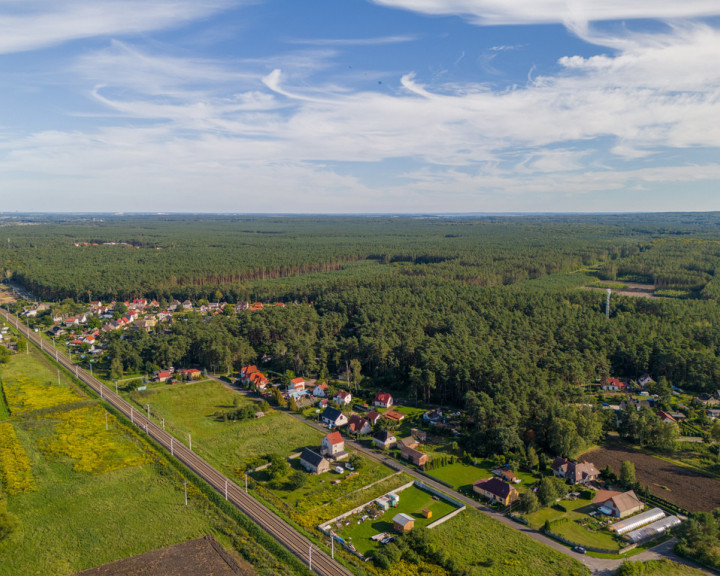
[
  {"x": 462, "y": 476},
  {"x": 370, "y": 520}
]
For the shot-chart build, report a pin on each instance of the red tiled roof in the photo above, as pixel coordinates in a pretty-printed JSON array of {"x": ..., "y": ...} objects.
[{"x": 335, "y": 438}]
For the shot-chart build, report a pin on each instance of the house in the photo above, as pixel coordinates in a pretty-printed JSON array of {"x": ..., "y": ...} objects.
[
  {"x": 320, "y": 390},
  {"x": 333, "y": 446},
  {"x": 419, "y": 435},
  {"x": 187, "y": 305},
  {"x": 373, "y": 417},
  {"x": 189, "y": 373},
  {"x": 394, "y": 416},
  {"x": 323, "y": 403},
  {"x": 622, "y": 505},
  {"x": 496, "y": 490},
  {"x": 383, "y": 400},
  {"x": 507, "y": 475},
  {"x": 644, "y": 380},
  {"x": 359, "y": 425},
  {"x": 403, "y": 523},
  {"x": 667, "y": 418},
  {"x": 313, "y": 462},
  {"x": 297, "y": 384},
  {"x": 384, "y": 439},
  {"x": 162, "y": 376},
  {"x": 713, "y": 413},
  {"x": 614, "y": 385},
  {"x": 342, "y": 397},
  {"x": 333, "y": 418},
  {"x": 574, "y": 472},
  {"x": 409, "y": 451}
]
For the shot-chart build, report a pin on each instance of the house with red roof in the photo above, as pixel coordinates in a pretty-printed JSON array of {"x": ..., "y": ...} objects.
[
  {"x": 373, "y": 417},
  {"x": 163, "y": 376},
  {"x": 296, "y": 385},
  {"x": 342, "y": 397},
  {"x": 333, "y": 446},
  {"x": 383, "y": 400},
  {"x": 358, "y": 425},
  {"x": 320, "y": 390},
  {"x": 614, "y": 385}
]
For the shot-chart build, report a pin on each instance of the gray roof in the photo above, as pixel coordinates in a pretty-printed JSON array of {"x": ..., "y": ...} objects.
[
  {"x": 331, "y": 413},
  {"x": 311, "y": 457}
]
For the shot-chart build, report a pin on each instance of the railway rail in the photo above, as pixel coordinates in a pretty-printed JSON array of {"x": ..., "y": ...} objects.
[{"x": 318, "y": 560}]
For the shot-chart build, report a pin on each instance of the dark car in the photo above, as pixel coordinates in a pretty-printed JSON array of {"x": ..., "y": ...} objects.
[{"x": 579, "y": 549}]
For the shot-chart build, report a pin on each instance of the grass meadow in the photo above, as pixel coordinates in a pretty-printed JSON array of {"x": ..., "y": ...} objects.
[
  {"x": 489, "y": 548},
  {"x": 667, "y": 568},
  {"x": 463, "y": 476},
  {"x": 85, "y": 496},
  {"x": 189, "y": 409}
]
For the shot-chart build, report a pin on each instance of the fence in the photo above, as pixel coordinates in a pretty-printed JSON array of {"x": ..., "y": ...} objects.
[{"x": 589, "y": 548}]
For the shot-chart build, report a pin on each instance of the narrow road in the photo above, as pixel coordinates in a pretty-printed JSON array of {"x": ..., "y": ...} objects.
[
  {"x": 295, "y": 542},
  {"x": 597, "y": 566}
]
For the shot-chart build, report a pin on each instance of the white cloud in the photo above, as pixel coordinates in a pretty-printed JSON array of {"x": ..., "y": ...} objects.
[
  {"x": 569, "y": 12},
  {"x": 33, "y": 24}
]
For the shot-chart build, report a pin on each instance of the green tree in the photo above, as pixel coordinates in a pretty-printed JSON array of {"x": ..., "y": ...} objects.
[
  {"x": 627, "y": 474},
  {"x": 529, "y": 502}
]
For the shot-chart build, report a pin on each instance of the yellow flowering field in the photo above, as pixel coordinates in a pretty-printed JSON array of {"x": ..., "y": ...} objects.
[
  {"x": 81, "y": 436},
  {"x": 30, "y": 384},
  {"x": 15, "y": 471}
]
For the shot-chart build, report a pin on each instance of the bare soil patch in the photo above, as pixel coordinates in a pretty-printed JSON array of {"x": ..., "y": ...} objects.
[{"x": 681, "y": 486}]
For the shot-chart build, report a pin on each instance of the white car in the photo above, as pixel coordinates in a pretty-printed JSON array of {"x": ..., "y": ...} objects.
[{"x": 339, "y": 470}]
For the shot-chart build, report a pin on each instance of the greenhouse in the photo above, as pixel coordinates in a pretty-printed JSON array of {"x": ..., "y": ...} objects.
[
  {"x": 653, "y": 530},
  {"x": 637, "y": 521}
]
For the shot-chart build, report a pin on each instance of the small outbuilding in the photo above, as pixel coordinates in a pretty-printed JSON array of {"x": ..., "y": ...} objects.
[{"x": 403, "y": 523}]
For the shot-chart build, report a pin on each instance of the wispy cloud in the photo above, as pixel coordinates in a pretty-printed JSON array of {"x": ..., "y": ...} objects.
[
  {"x": 574, "y": 12},
  {"x": 34, "y": 24}
]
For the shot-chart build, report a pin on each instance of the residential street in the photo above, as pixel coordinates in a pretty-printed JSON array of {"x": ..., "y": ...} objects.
[{"x": 598, "y": 566}]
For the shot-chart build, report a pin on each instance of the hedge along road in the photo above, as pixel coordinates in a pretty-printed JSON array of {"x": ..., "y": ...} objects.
[{"x": 296, "y": 543}]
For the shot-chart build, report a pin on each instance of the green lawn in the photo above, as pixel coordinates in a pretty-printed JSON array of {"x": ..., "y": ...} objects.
[
  {"x": 319, "y": 489},
  {"x": 412, "y": 501},
  {"x": 228, "y": 445},
  {"x": 577, "y": 525},
  {"x": 461, "y": 475},
  {"x": 489, "y": 548},
  {"x": 4, "y": 410}
]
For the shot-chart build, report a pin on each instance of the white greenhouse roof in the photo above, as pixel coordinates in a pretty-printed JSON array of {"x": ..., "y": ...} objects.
[
  {"x": 637, "y": 521},
  {"x": 654, "y": 529}
]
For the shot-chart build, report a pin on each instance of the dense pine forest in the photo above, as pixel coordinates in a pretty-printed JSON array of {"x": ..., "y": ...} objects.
[{"x": 498, "y": 315}]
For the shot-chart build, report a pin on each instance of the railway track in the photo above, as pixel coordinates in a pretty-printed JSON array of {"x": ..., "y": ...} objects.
[{"x": 319, "y": 561}]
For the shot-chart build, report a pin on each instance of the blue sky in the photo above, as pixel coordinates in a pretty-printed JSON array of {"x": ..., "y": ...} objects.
[{"x": 338, "y": 106}]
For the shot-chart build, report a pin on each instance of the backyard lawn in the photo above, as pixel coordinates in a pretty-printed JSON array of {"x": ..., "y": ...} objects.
[
  {"x": 461, "y": 475},
  {"x": 412, "y": 501},
  {"x": 575, "y": 525}
]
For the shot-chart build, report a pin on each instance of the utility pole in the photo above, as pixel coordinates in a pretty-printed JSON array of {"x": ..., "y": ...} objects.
[
  {"x": 148, "y": 406},
  {"x": 132, "y": 415},
  {"x": 172, "y": 448},
  {"x": 190, "y": 441},
  {"x": 226, "y": 489},
  {"x": 58, "y": 377},
  {"x": 310, "y": 558},
  {"x": 146, "y": 428},
  {"x": 185, "y": 492},
  {"x": 116, "y": 391},
  {"x": 163, "y": 423},
  {"x": 332, "y": 545}
]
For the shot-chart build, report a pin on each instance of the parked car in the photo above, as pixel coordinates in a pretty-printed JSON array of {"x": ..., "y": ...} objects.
[{"x": 579, "y": 549}]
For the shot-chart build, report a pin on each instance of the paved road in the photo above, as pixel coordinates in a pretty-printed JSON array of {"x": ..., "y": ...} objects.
[
  {"x": 300, "y": 546},
  {"x": 597, "y": 566}
]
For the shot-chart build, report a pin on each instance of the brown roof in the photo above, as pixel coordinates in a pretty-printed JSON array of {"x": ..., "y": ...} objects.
[
  {"x": 203, "y": 556},
  {"x": 495, "y": 486},
  {"x": 625, "y": 501},
  {"x": 604, "y": 495}
]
